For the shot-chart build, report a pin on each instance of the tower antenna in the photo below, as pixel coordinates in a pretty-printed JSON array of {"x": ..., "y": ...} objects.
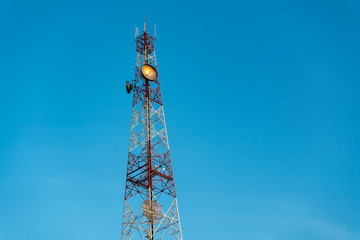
[{"x": 150, "y": 203}]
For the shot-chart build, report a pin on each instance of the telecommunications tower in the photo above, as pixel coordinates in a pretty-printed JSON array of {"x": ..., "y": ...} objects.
[{"x": 150, "y": 207}]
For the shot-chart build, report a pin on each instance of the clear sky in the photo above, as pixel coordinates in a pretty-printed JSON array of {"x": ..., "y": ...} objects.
[{"x": 261, "y": 101}]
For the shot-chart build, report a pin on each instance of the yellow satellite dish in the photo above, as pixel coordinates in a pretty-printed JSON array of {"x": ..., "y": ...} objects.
[{"x": 149, "y": 72}]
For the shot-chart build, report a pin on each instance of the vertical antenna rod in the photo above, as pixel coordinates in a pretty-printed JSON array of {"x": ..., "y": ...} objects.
[{"x": 151, "y": 225}]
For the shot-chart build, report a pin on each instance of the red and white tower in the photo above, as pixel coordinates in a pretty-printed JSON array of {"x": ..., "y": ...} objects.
[{"x": 150, "y": 208}]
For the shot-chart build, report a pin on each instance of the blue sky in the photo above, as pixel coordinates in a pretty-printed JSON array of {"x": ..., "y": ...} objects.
[{"x": 261, "y": 101}]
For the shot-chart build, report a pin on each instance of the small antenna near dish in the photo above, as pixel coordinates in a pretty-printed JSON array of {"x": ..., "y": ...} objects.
[
  {"x": 136, "y": 32},
  {"x": 155, "y": 30}
]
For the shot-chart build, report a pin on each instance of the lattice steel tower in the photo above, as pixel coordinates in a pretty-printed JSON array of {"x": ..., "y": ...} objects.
[{"x": 150, "y": 208}]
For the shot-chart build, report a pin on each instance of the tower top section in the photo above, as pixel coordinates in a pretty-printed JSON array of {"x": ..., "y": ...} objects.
[{"x": 145, "y": 41}]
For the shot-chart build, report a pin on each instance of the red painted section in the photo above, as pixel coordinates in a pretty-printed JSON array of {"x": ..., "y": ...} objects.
[{"x": 148, "y": 168}]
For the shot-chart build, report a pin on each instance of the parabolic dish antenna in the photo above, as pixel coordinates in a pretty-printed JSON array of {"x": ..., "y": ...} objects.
[
  {"x": 128, "y": 87},
  {"x": 149, "y": 72},
  {"x": 153, "y": 213}
]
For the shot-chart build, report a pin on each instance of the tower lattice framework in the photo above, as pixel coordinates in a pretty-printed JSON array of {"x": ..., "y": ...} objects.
[{"x": 150, "y": 207}]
